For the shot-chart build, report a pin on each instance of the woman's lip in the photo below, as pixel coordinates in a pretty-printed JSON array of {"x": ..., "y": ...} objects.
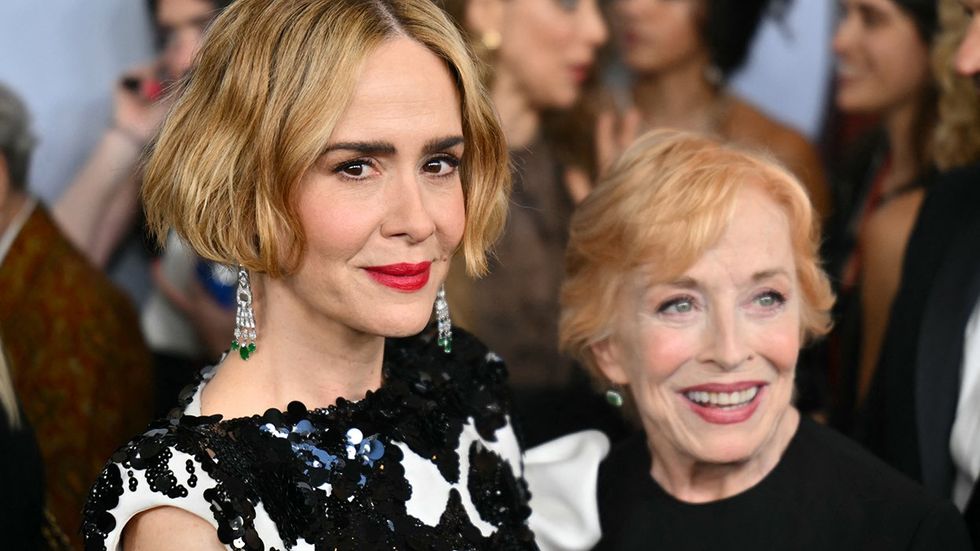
[
  {"x": 719, "y": 416},
  {"x": 403, "y": 276},
  {"x": 581, "y": 72},
  {"x": 723, "y": 387}
]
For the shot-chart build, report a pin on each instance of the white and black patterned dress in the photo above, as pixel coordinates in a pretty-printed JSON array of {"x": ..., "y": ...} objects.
[{"x": 429, "y": 461}]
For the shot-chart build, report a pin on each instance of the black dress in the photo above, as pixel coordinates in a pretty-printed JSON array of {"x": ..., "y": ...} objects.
[
  {"x": 22, "y": 483},
  {"x": 825, "y": 493},
  {"x": 429, "y": 461}
]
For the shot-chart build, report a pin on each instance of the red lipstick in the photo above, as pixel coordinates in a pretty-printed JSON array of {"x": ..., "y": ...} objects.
[
  {"x": 403, "y": 277},
  {"x": 718, "y": 404}
]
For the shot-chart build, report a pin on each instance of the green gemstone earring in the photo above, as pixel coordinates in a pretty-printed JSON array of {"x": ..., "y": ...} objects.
[
  {"x": 615, "y": 397},
  {"x": 244, "y": 341}
]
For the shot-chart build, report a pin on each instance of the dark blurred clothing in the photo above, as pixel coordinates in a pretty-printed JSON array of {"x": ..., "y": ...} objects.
[
  {"x": 826, "y": 493},
  {"x": 857, "y": 194},
  {"x": 77, "y": 359},
  {"x": 514, "y": 309},
  {"x": 911, "y": 407},
  {"x": 22, "y": 480}
]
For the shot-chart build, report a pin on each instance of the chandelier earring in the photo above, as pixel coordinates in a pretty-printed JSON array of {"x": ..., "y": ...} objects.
[
  {"x": 443, "y": 323},
  {"x": 244, "y": 341}
]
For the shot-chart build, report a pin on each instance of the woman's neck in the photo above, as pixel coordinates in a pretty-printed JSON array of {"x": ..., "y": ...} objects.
[
  {"x": 900, "y": 128},
  {"x": 694, "y": 481},
  {"x": 679, "y": 98},
  {"x": 518, "y": 117},
  {"x": 300, "y": 355}
]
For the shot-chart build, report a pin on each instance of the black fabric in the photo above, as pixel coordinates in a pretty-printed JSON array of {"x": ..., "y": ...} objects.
[
  {"x": 21, "y": 486},
  {"x": 825, "y": 493},
  {"x": 900, "y": 417}
]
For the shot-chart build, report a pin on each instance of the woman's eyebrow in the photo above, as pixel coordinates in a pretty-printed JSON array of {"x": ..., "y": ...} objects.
[
  {"x": 441, "y": 144},
  {"x": 769, "y": 274},
  {"x": 364, "y": 148},
  {"x": 386, "y": 148}
]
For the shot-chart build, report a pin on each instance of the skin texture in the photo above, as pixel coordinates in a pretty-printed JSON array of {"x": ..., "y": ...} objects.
[
  {"x": 322, "y": 328},
  {"x": 733, "y": 316},
  {"x": 968, "y": 55}
]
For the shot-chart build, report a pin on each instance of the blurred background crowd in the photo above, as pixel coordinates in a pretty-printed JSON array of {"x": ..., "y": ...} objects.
[{"x": 870, "y": 103}]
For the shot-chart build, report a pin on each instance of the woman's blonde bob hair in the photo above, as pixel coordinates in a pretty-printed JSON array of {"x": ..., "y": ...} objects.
[
  {"x": 662, "y": 205},
  {"x": 271, "y": 81}
]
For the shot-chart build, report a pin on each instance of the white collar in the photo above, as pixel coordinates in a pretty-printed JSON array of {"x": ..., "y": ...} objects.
[{"x": 16, "y": 224}]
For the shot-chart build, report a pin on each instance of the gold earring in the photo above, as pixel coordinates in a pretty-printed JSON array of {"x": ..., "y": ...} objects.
[{"x": 491, "y": 40}]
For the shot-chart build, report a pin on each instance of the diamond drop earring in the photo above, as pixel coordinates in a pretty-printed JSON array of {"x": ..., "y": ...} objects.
[{"x": 445, "y": 326}]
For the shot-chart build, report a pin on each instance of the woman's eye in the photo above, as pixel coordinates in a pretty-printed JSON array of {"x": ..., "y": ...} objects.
[
  {"x": 355, "y": 169},
  {"x": 682, "y": 305},
  {"x": 441, "y": 166},
  {"x": 568, "y": 5},
  {"x": 770, "y": 299}
]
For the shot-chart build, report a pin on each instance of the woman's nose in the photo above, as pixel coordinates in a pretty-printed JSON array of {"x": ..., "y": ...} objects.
[
  {"x": 592, "y": 24},
  {"x": 724, "y": 342},
  {"x": 407, "y": 213},
  {"x": 967, "y": 60}
]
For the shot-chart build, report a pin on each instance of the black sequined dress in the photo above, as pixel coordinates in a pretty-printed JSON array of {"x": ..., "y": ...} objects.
[{"x": 429, "y": 461}]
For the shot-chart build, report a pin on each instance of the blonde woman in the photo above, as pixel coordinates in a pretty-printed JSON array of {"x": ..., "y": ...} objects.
[
  {"x": 22, "y": 507},
  {"x": 339, "y": 152}
]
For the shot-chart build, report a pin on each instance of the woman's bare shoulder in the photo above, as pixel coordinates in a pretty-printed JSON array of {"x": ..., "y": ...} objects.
[{"x": 169, "y": 529}]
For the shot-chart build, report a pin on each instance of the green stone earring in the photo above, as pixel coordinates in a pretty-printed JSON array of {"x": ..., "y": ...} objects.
[
  {"x": 244, "y": 341},
  {"x": 615, "y": 397}
]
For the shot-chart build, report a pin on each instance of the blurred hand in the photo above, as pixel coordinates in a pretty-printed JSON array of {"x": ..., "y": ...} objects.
[
  {"x": 139, "y": 112},
  {"x": 614, "y": 132},
  {"x": 215, "y": 324}
]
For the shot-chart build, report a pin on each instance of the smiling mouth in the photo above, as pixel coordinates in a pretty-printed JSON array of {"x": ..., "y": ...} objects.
[
  {"x": 723, "y": 400},
  {"x": 402, "y": 277},
  {"x": 725, "y": 404}
]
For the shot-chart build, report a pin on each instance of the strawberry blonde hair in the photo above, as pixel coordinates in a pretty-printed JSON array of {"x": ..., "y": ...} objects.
[{"x": 662, "y": 205}]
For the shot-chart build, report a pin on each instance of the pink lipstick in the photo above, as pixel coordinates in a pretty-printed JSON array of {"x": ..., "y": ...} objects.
[
  {"x": 403, "y": 277},
  {"x": 725, "y": 404}
]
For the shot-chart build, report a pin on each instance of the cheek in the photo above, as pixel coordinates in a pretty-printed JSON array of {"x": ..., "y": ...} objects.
[
  {"x": 334, "y": 226},
  {"x": 451, "y": 219},
  {"x": 661, "y": 353},
  {"x": 779, "y": 342}
]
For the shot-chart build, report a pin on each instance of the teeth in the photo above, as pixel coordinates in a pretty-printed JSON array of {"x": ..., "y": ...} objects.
[{"x": 724, "y": 400}]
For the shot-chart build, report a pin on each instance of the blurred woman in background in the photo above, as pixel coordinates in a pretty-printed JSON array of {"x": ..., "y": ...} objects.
[
  {"x": 538, "y": 55},
  {"x": 680, "y": 54},
  {"x": 883, "y": 48}
]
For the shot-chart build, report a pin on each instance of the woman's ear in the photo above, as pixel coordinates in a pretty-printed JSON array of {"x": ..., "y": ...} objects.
[
  {"x": 609, "y": 357},
  {"x": 484, "y": 17}
]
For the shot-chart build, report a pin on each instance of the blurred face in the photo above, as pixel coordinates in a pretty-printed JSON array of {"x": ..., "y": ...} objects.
[
  {"x": 548, "y": 47},
  {"x": 182, "y": 24},
  {"x": 968, "y": 54},
  {"x": 710, "y": 357},
  {"x": 383, "y": 206},
  {"x": 659, "y": 35},
  {"x": 883, "y": 64}
]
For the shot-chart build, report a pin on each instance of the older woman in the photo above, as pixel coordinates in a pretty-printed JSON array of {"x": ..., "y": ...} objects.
[
  {"x": 692, "y": 281},
  {"x": 338, "y": 152}
]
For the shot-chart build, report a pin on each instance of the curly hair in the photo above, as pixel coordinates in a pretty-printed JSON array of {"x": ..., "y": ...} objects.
[{"x": 956, "y": 141}]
